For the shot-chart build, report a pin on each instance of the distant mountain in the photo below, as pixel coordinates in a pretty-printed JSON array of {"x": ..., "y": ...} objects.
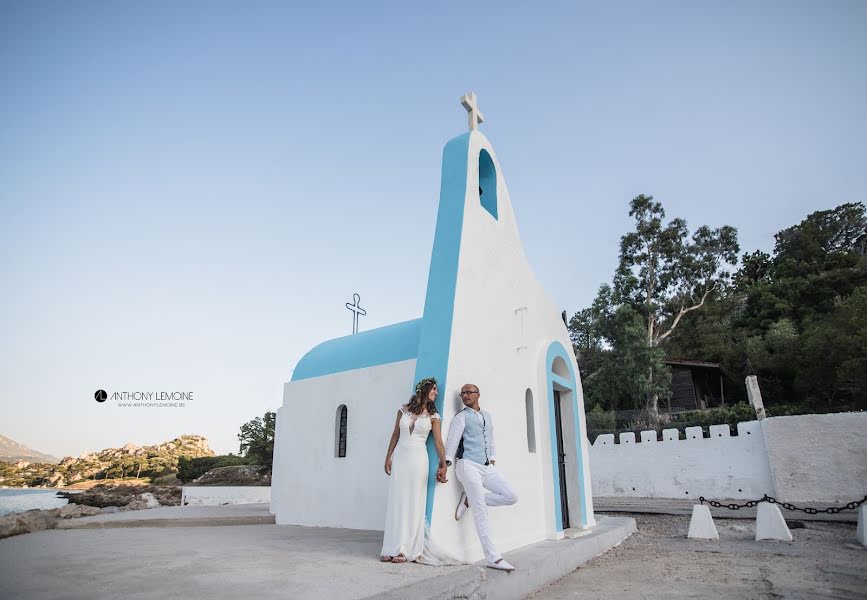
[{"x": 11, "y": 451}]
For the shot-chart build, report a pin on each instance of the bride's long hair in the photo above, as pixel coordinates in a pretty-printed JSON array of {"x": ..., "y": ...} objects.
[{"x": 419, "y": 401}]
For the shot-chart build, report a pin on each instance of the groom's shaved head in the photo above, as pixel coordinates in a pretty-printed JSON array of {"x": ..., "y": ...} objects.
[{"x": 470, "y": 395}]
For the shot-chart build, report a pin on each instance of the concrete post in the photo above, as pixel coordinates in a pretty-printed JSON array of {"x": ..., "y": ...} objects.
[
  {"x": 770, "y": 524},
  {"x": 754, "y": 394},
  {"x": 861, "y": 532},
  {"x": 701, "y": 524}
]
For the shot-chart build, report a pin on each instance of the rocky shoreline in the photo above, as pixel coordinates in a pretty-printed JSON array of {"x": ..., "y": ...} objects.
[
  {"x": 97, "y": 500},
  {"x": 112, "y": 497},
  {"x": 125, "y": 497}
]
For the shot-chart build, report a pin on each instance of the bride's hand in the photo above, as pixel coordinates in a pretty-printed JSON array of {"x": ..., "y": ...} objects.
[{"x": 388, "y": 465}]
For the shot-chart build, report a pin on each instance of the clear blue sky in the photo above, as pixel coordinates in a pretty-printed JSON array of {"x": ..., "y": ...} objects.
[{"x": 190, "y": 192}]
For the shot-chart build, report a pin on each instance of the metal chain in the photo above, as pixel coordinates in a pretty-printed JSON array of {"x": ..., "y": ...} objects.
[{"x": 831, "y": 510}]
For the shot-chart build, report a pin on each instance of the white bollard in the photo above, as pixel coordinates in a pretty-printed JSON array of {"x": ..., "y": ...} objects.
[
  {"x": 862, "y": 524},
  {"x": 770, "y": 524},
  {"x": 701, "y": 524}
]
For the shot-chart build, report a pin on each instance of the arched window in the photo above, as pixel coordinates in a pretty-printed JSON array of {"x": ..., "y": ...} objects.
[
  {"x": 487, "y": 183},
  {"x": 340, "y": 432},
  {"x": 560, "y": 368},
  {"x": 531, "y": 421}
]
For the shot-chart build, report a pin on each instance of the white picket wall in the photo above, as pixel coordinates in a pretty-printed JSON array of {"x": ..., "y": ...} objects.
[{"x": 804, "y": 458}]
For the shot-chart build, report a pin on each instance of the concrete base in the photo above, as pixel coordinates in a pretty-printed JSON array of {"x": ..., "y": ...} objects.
[
  {"x": 139, "y": 560},
  {"x": 576, "y": 532},
  {"x": 535, "y": 567},
  {"x": 862, "y": 525},
  {"x": 701, "y": 525},
  {"x": 770, "y": 524}
]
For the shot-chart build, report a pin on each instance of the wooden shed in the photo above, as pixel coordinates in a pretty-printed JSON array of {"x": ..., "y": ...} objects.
[{"x": 695, "y": 385}]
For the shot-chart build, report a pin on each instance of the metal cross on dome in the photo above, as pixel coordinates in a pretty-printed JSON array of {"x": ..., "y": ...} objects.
[
  {"x": 356, "y": 310},
  {"x": 476, "y": 118}
]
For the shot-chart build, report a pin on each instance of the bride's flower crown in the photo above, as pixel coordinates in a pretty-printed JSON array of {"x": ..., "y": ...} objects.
[{"x": 424, "y": 382}]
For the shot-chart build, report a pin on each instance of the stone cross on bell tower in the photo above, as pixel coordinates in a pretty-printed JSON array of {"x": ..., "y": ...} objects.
[{"x": 476, "y": 118}]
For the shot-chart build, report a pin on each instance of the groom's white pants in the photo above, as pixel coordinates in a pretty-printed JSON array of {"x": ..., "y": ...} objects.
[{"x": 485, "y": 486}]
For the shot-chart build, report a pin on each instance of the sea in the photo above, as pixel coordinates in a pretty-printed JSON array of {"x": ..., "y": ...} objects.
[{"x": 21, "y": 499}]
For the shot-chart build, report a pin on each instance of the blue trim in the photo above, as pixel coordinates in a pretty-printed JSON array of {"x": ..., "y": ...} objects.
[
  {"x": 554, "y": 350},
  {"x": 439, "y": 304},
  {"x": 381, "y": 346},
  {"x": 566, "y": 383},
  {"x": 488, "y": 183}
]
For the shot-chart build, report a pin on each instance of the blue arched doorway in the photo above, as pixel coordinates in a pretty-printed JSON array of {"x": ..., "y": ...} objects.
[{"x": 568, "y": 452}]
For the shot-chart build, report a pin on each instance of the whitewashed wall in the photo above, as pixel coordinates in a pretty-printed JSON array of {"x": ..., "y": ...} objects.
[
  {"x": 818, "y": 457},
  {"x": 217, "y": 495},
  {"x": 721, "y": 466},
  {"x": 808, "y": 458},
  {"x": 314, "y": 487}
]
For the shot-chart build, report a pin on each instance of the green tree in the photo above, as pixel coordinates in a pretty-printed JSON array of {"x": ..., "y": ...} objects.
[
  {"x": 792, "y": 317},
  {"x": 818, "y": 261},
  {"x": 192, "y": 468},
  {"x": 585, "y": 331},
  {"x": 664, "y": 274},
  {"x": 257, "y": 439},
  {"x": 629, "y": 370},
  {"x": 833, "y": 365}
]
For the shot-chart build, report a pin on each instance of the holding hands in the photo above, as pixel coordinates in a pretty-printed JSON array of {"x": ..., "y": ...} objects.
[{"x": 441, "y": 470}]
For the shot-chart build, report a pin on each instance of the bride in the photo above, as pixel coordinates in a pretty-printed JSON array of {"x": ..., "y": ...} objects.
[{"x": 407, "y": 464}]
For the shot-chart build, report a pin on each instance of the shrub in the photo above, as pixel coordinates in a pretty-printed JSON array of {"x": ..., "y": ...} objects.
[
  {"x": 785, "y": 410},
  {"x": 721, "y": 415},
  {"x": 170, "y": 479},
  {"x": 193, "y": 468},
  {"x": 601, "y": 420}
]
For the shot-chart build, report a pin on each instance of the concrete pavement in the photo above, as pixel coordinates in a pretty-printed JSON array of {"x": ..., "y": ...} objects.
[{"x": 129, "y": 555}]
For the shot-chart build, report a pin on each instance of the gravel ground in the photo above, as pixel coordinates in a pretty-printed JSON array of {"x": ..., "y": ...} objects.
[{"x": 658, "y": 561}]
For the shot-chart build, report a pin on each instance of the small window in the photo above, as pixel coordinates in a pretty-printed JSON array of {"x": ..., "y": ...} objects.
[
  {"x": 340, "y": 432},
  {"x": 487, "y": 183},
  {"x": 560, "y": 368},
  {"x": 531, "y": 421}
]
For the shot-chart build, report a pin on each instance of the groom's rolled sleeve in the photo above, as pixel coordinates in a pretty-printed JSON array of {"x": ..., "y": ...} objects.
[{"x": 456, "y": 432}]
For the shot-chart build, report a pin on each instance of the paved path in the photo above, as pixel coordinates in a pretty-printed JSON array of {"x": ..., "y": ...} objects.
[{"x": 134, "y": 555}]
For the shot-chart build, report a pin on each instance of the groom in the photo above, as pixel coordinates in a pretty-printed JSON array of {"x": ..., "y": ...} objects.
[{"x": 471, "y": 443}]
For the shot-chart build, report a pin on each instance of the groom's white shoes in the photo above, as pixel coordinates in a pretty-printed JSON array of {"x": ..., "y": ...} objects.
[
  {"x": 462, "y": 507},
  {"x": 501, "y": 565}
]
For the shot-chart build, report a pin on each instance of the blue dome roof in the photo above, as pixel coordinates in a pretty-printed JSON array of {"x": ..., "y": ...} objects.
[{"x": 384, "y": 345}]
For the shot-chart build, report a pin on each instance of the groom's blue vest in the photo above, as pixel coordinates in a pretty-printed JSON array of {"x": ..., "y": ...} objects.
[{"x": 476, "y": 442}]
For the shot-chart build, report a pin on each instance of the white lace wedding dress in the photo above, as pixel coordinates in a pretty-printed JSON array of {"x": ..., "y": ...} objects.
[
  {"x": 405, "y": 531},
  {"x": 407, "y": 487}
]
